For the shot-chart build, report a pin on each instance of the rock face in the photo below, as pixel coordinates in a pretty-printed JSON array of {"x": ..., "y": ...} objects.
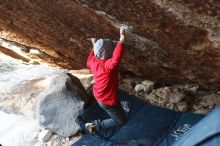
[
  {"x": 60, "y": 104},
  {"x": 167, "y": 40}
]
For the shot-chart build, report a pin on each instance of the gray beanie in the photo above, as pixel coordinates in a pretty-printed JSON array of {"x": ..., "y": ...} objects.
[{"x": 104, "y": 48}]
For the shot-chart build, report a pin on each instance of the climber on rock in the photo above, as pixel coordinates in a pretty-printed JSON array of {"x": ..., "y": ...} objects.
[{"x": 103, "y": 62}]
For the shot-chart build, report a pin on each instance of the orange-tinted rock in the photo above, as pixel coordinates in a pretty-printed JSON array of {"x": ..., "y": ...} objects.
[{"x": 171, "y": 40}]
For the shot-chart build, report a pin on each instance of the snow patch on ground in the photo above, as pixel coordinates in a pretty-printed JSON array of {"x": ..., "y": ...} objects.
[{"x": 17, "y": 130}]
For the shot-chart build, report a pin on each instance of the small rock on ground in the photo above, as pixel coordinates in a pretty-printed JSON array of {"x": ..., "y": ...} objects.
[{"x": 44, "y": 135}]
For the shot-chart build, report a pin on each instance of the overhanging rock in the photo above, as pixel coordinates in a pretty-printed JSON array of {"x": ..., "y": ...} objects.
[{"x": 170, "y": 40}]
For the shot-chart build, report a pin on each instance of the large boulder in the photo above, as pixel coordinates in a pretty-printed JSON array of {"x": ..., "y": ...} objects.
[
  {"x": 20, "y": 88},
  {"x": 20, "y": 85},
  {"x": 167, "y": 40},
  {"x": 60, "y": 104}
]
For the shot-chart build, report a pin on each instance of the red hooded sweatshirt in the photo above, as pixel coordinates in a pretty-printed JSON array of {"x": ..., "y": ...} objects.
[{"x": 105, "y": 74}]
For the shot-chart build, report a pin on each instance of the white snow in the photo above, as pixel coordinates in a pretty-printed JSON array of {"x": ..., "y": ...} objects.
[{"x": 17, "y": 130}]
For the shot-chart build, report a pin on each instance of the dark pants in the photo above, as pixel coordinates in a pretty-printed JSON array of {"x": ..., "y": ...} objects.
[{"x": 117, "y": 117}]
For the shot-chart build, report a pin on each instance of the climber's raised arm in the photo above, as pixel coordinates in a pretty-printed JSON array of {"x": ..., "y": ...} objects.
[{"x": 118, "y": 52}]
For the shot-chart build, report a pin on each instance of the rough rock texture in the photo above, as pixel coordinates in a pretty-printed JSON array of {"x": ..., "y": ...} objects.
[
  {"x": 20, "y": 87},
  {"x": 60, "y": 104},
  {"x": 173, "y": 95},
  {"x": 205, "y": 104},
  {"x": 21, "y": 83},
  {"x": 175, "y": 40},
  {"x": 191, "y": 98},
  {"x": 58, "y": 28}
]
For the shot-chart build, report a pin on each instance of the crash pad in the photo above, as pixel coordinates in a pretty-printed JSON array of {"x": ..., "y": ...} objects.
[{"x": 147, "y": 125}]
